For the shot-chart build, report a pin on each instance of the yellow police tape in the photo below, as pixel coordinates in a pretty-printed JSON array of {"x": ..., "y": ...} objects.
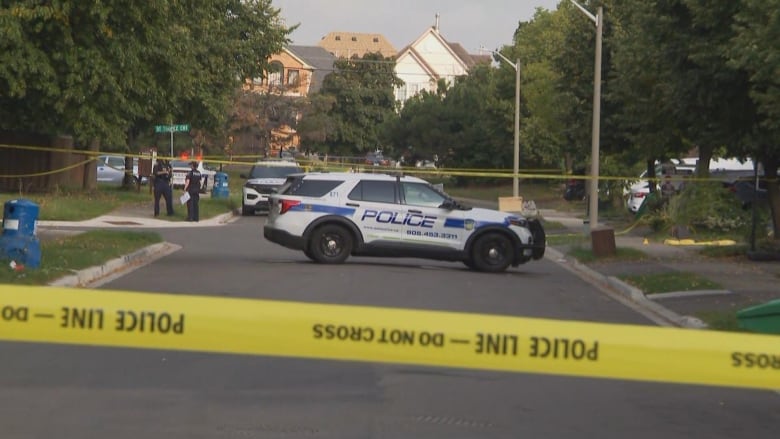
[{"x": 432, "y": 338}]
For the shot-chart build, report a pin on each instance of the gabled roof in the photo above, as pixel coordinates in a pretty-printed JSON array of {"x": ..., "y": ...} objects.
[
  {"x": 320, "y": 60},
  {"x": 468, "y": 60},
  {"x": 348, "y": 44},
  {"x": 445, "y": 43}
]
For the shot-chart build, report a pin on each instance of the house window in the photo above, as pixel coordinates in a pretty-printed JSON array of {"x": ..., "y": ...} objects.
[
  {"x": 354, "y": 38},
  {"x": 376, "y": 40},
  {"x": 293, "y": 78},
  {"x": 275, "y": 73},
  {"x": 338, "y": 37}
]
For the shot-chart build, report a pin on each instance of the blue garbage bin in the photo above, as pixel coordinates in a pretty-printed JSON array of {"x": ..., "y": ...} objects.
[
  {"x": 220, "y": 188},
  {"x": 20, "y": 218},
  {"x": 19, "y": 241}
]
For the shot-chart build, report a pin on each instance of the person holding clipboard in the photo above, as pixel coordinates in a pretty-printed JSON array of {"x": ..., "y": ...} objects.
[{"x": 192, "y": 192}]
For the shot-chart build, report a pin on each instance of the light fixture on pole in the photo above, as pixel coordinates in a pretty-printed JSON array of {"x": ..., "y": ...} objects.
[
  {"x": 516, "y": 166},
  {"x": 593, "y": 193}
]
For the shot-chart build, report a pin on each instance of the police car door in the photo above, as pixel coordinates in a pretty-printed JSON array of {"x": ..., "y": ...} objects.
[
  {"x": 424, "y": 221},
  {"x": 377, "y": 211}
]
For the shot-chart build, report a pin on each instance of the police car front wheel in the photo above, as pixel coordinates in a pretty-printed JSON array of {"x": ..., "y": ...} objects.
[
  {"x": 330, "y": 244},
  {"x": 492, "y": 252}
]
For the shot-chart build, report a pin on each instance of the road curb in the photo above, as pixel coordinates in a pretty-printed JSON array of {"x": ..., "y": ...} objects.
[
  {"x": 97, "y": 275},
  {"x": 630, "y": 292}
]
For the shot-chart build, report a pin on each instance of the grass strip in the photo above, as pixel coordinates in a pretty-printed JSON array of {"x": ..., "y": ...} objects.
[
  {"x": 585, "y": 255},
  {"x": 671, "y": 281},
  {"x": 62, "y": 256}
]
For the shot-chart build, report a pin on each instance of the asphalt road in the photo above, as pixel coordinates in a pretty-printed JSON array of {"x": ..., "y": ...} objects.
[{"x": 82, "y": 392}]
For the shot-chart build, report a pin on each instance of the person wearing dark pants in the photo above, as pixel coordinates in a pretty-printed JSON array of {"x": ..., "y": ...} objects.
[
  {"x": 192, "y": 187},
  {"x": 162, "y": 186}
]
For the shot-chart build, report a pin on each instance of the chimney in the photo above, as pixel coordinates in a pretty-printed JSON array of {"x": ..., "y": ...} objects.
[{"x": 436, "y": 25}]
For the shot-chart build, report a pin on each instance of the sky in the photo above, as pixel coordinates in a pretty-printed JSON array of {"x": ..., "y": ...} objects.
[{"x": 472, "y": 23}]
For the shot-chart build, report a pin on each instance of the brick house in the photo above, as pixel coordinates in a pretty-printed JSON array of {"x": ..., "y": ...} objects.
[
  {"x": 349, "y": 44},
  {"x": 295, "y": 72}
]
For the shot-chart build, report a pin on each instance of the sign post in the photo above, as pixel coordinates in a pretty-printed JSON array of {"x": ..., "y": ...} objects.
[{"x": 180, "y": 128}]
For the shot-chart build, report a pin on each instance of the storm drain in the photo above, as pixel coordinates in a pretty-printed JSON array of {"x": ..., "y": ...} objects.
[{"x": 123, "y": 223}]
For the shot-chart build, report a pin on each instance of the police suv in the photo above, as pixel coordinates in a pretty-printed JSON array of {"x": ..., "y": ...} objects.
[
  {"x": 333, "y": 215},
  {"x": 265, "y": 178}
]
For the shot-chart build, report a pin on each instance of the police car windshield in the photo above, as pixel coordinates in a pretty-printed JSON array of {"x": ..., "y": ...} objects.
[{"x": 261, "y": 171}]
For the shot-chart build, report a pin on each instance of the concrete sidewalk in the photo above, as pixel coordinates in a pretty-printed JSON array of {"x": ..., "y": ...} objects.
[{"x": 122, "y": 219}]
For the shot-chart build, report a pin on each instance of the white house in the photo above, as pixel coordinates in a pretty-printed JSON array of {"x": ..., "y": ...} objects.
[{"x": 430, "y": 58}]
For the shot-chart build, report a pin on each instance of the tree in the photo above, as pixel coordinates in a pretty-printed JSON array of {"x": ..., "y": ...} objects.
[
  {"x": 649, "y": 47},
  {"x": 753, "y": 48},
  {"x": 363, "y": 98},
  {"x": 536, "y": 44},
  {"x": 315, "y": 126},
  {"x": 101, "y": 69}
]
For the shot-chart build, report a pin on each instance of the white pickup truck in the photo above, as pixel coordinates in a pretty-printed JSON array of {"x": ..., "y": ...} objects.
[{"x": 182, "y": 167}]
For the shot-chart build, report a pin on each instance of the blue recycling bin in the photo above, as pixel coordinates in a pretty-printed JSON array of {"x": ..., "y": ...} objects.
[
  {"x": 20, "y": 218},
  {"x": 19, "y": 241},
  {"x": 220, "y": 188}
]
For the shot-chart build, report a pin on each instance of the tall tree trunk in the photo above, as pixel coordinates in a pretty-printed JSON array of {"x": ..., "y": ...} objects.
[
  {"x": 652, "y": 183},
  {"x": 703, "y": 167},
  {"x": 129, "y": 181},
  {"x": 90, "y": 169},
  {"x": 773, "y": 193},
  {"x": 58, "y": 161}
]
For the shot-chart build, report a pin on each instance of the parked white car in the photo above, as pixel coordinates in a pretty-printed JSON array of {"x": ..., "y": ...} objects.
[
  {"x": 182, "y": 167},
  {"x": 264, "y": 178},
  {"x": 676, "y": 173},
  {"x": 673, "y": 174}
]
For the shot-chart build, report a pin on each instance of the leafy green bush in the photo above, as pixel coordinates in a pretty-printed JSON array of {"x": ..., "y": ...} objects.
[{"x": 708, "y": 206}]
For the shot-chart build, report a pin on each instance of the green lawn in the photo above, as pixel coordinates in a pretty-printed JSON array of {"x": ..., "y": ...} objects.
[
  {"x": 73, "y": 205},
  {"x": 62, "y": 256},
  {"x": 82, "y": 205},
  {"x": 670, "y": 281},
  {"x": 586, "y": 255}
]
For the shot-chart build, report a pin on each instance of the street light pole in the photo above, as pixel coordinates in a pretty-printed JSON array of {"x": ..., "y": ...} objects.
[
  {"x": 516, "y": 166},
  {"x": 593, "y": 193}
]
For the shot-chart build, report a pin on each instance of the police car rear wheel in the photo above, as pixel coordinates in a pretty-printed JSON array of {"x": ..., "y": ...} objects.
[
  {"x": 330, "y": 244},
  {"x": 492, "y": 253}
]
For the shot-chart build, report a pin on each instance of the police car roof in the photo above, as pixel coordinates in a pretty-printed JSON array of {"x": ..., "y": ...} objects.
[{"x": 362, "y": 176}]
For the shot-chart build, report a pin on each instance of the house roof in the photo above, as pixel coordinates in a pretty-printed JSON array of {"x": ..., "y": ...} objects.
[
  {"x": 348, "y": 44},
  {"x": 468, "y": 60},
  {"x": 318, "y": 58}
]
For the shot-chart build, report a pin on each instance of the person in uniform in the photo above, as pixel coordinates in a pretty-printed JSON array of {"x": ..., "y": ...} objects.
[
  {"x": 192, "y": 187},
  {"x": 162, "y": 173}
]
